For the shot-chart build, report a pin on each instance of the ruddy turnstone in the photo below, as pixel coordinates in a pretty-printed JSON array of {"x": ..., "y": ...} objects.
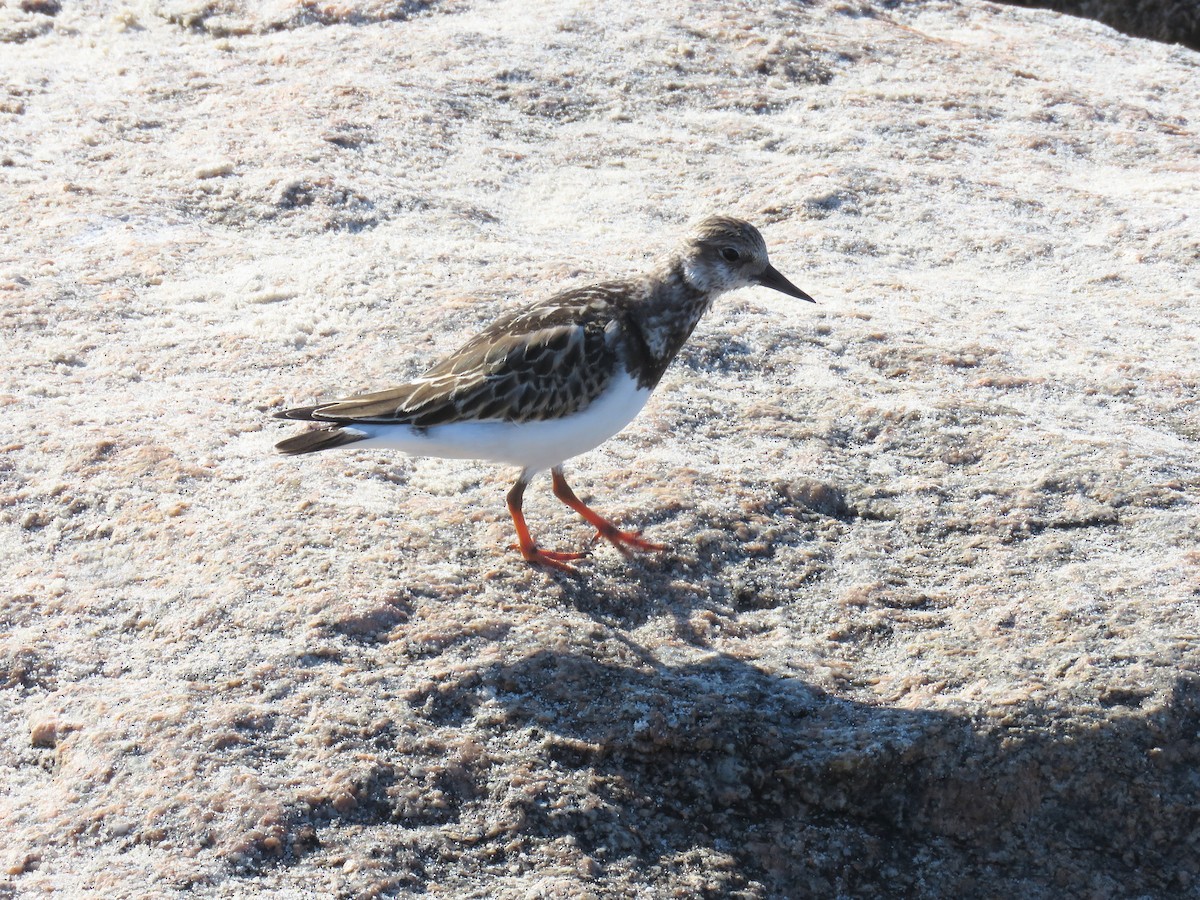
[{"x": 550, "y": 381}]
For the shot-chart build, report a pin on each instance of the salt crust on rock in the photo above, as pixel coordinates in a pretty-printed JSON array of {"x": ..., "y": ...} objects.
[{"x": 930, "y": 623}]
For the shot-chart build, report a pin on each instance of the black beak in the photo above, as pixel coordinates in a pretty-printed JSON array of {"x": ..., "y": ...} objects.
[{"x": 776, "y": 282}]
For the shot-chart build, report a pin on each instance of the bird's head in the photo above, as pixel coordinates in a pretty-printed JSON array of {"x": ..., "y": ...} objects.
[{"x": 724, "y": 253}]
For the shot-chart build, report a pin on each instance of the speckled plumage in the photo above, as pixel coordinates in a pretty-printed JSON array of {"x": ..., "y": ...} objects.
[
  {"x": 541, "y": 362},
  {"x": 580, "y": 356}
]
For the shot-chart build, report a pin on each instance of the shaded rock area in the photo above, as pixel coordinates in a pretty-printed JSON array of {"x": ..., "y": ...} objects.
[
  {"x": 930, "y": 621},
  {"x": 1171, "y": 21}
]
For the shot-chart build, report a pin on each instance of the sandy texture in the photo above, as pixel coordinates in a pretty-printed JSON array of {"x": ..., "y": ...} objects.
[{"x": 931, "y": 620}]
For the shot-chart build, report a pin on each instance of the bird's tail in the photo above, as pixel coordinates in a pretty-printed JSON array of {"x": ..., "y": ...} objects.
[{"x": 318, "y": 439}]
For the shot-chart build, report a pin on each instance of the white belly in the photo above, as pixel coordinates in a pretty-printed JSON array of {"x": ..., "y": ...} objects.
[{"x": 531, "y": 445}]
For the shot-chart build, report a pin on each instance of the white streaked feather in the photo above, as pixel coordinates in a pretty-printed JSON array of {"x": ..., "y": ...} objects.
[{"x": 532, "y": 445}]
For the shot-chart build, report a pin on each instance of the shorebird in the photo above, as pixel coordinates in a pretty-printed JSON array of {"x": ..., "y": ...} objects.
[{"x": 545, "y": 383}]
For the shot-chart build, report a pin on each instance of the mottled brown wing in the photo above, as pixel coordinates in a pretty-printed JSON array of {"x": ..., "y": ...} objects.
[{"x": 538, "y": 363}]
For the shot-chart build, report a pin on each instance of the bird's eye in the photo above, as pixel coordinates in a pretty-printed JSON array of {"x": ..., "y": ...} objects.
[{"x": 730, "y": 255}]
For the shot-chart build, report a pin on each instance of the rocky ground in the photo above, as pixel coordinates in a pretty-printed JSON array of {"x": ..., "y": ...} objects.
[{"x": 930, "y": 623}]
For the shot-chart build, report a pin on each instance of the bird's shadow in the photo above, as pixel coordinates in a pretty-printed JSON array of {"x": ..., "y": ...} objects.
[
  {"x": 628, "y": 592},
  {"x": 717, "y": 573}
]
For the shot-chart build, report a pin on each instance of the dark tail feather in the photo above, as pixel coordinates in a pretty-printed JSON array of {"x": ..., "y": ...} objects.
[{"x": 318, "y": 439}]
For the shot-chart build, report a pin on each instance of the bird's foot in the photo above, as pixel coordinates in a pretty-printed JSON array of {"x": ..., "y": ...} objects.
[{"x": 556, "y": 560}]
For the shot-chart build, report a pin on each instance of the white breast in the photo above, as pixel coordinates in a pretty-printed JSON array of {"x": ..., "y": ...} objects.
[{"x": 531, "y": 445}]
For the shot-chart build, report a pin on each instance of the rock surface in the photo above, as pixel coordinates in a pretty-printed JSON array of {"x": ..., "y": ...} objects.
[{"x": 930, "y": 625}]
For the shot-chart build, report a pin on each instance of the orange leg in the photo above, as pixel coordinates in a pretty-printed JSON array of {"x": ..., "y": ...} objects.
[
  {"x": 551, "y": 559},
  {"x": 622, "y": 540}
]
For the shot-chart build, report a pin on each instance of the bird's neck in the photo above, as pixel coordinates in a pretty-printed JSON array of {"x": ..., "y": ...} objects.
[{"x": 672, "y": 307}]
